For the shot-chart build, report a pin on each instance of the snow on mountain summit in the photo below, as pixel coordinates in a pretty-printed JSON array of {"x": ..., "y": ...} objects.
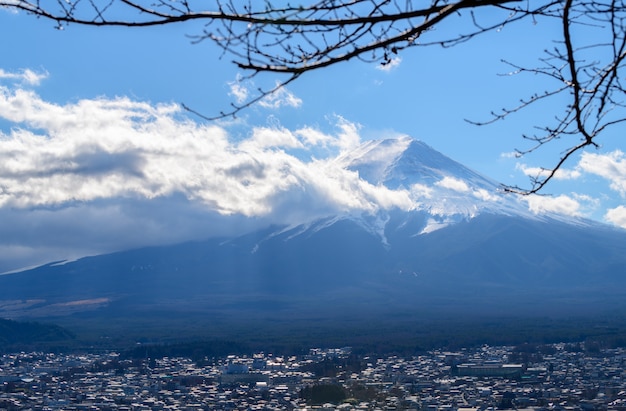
[
  {"x": 437, "y": 184},
  {"x": 404, "y": 161},
  {"x": 441, "y": 191}
]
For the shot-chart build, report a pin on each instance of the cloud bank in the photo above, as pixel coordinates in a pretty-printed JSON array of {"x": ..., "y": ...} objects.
[
  {"x": 91, "y": 150},
  {"x": 99, "y": 175},
  {"x": 26, "y": 76},
  {"x": 103, "y": 174},
  {"x": 611, "y": 167}
]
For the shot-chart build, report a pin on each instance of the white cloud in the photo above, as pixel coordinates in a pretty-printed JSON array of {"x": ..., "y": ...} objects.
[
  {"x": 484, "y": 195},
  {"x": 421, "y": 191},
  {"x": 453, "y": 184},
  {"x": 266, "y": 137},
  {"x": 349, "y": 137},
  {"x": 617, "y": 216},
  {"x": 611, "y": 166},
  {"x": 562, "y": 204},
  {"x": 280, "y": 98},
  {"x": 116, "y": 173},
  {"x": 100, "y": 149},
  {"x": 560, "y": 174},
  {"x": 390, "y": 65},
  {"x": 510, "y": 154},
  {"x": 239, "y": 91},
  {"x": 567, "y": 174},
  {"x": 531, "y": 171},
  {"x": 587, "y": 200},
  {"x": 26, "y": 76},
  {"x": 315, "y": 137}
]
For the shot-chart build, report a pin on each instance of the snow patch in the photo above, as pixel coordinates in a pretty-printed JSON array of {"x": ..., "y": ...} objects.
[{"x": 433, "y": 225}]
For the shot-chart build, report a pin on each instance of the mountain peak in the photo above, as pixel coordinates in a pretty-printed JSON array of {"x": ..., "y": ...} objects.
[
  {"x": 443, "y": 188},
  {"x": 405, "y": 161}
]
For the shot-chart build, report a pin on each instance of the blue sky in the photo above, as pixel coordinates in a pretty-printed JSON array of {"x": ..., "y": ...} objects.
[{"x": 73, "y": 100}]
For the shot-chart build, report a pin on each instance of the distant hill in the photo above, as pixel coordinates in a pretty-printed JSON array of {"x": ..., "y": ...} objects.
[{"x": 24, "y": 335}]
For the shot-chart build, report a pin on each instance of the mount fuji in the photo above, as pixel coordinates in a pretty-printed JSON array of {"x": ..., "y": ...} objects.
[{"x": 462, "y": 245}]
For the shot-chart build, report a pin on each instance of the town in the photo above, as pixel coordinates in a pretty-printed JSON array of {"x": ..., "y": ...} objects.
[{"x": 565, "y": 376}]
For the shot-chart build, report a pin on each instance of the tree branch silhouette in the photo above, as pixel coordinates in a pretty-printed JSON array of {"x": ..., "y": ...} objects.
[{"x": 288, "y": 40}]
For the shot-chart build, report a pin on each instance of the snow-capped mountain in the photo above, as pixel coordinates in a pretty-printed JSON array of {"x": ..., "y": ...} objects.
[
  {"x": 404, "y": 162},
  {"x": 463, "y": 244},
  {"x": 443, "y": 191}
]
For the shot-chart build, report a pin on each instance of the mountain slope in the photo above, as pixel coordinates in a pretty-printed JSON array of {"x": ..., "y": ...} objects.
[
  {"x": 487, "y": 260},
  {"x": 464, "y": 247}
]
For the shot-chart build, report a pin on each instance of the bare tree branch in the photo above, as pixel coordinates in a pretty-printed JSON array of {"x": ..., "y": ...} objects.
[{"x": 279, "y": 38}]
